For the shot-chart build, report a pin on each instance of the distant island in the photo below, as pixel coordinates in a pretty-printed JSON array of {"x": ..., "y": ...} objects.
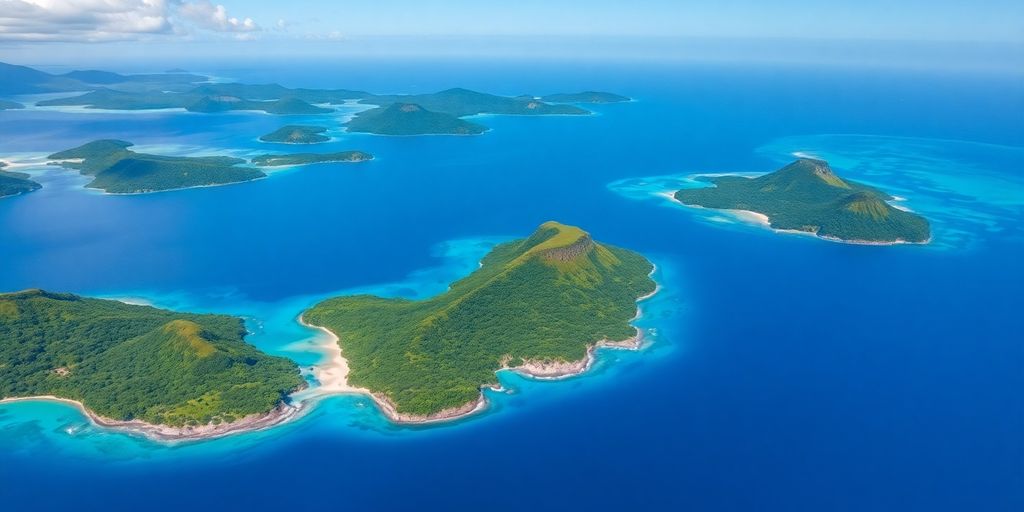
[
  {"x": 410, "y": 119},
  {"x": 119, "y": 170},
  {"x": 297, "y": 134},
  {"x": 586, "y": 97},
  {"x": 310, "y": 158},
  {"x": 10, "y": 105},
  {"x": 438, "y": 113},
  {"x": 539, "y": 306},
  {"x": 164, "y": 374},
  {"x": 806, "y": 196},
  {"x": 15, "y": 183}
]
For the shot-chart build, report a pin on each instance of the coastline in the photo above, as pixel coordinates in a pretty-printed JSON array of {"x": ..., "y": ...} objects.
[
  {"x": 761, "y": 220},
  {"x": 166, "y": 433},
  {"x": 333, "y": 376}
]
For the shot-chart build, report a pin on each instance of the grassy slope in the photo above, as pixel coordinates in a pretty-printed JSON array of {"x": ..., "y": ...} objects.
[
  {"x": 136, "y": 362},
  {"x": 117, "y": 169},
  {"x": 807, "y": 196},
  {"x": 546, "y": 297}
]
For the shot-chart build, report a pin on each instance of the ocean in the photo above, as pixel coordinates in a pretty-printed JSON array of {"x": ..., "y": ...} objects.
[{"x": 781, "y": 372}]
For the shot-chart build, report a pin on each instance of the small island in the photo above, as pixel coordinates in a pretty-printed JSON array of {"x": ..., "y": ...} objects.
[
  {"x": 297, "y": 134},
  {"x": 15, "y": 183},
  {"x": 310, "y": 158},
  {"x": 539, "y": 305},
  {"x": 118, "y": 170},
  {"x": 806, "y": 196},
  {"x": 410, "y": 119},
  {"x": 164, "y": 374},
  {"x": 595, "y": 97},
  {"x": 10, "y": 105}
]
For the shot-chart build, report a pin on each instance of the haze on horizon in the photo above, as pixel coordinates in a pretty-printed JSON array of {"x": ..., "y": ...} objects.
[{"x": 61, "y": 32}]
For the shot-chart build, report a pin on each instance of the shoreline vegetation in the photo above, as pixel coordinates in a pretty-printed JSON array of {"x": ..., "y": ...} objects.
[
  {"x": 163, "y": 374},
  {"x": 806, "y": 197},
  {"x": 428, "y": 361}
]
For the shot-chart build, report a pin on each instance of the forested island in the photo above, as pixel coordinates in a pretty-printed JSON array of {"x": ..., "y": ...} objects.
[
  {"x": 119, "y": 170},
  {"x": 297, "y": 134},
  {"x": 166, "y": 374},
  {"x": 807, "y": 196},
  {"x": 15, "y": 183},
  {"x": 538, "y": 305},
  {"x": 310, "y": 158},
  {"x": 438, "y": 113},
  {"x": 410, "y": 119}
]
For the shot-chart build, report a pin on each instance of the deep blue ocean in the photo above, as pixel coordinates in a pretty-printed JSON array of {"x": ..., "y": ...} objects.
[{"x": 782, "y": 373}]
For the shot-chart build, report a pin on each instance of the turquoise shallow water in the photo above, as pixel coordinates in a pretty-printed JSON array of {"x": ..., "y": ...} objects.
[{"x": 785, "y": 372}]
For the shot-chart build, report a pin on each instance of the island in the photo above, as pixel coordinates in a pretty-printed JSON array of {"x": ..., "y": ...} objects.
[
  {"x": 297, "y": 134},
  {"x": 539, "y": 306},
  {"x": 10, "y": 105},
  {"x": 460, "y": 102},
  {"x": 15, "y": 183},
  {"x": 164, "y": 374},
  {"x": 310, "y": 158},
  {"x": 586, "y": 97},
  {"x": 116, "y": 169},
  {"x": 410, "y": 119},
  {"x": 806, "y": 196}
]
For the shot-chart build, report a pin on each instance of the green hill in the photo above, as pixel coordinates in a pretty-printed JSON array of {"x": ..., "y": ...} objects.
[
  {"x": 807, "y": 196},
  {"x": 586, "y": 97},
  {"x": 297, "y": 134},
  {"x": 117, "y": 169},
  {"x": 545, "y": 298},
  {"x": 15, "y": 183},
  {"x": 310, "y": 158},
  {"x": 410, "y": 119},
  {"x": 136, "y": 362}
]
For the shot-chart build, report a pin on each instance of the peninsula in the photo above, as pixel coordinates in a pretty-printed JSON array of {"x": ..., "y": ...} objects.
[
  {"x": 297, "y": 134},
  {"x": 164, "y": 374},
  {"x": 15, "y": 183},
  {"x": 310, "y": 158},
  {"x": 806, "y": 196},
  {"x": 119, "y": 170},
  {"x": 539, "y": 306},
  {"x": 586, "y": 97}
]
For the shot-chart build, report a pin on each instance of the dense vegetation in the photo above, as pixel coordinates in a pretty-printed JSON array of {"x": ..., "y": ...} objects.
[
  {"x": 117, "y": 169},
  {"x": 463, "y": 102},
  {"x": 543, "y": 298},
  {"x": 410, "y": 119},
  {"x": 10, "y": 105},
  {"x": 14, "y": 183},
  {"x": 297, "y": 134},
  {"x": 311, "y": 158},
  {"x": 586, "y": 97},
  {"x": 136, "y": 362},
  {"x": 807, "y": 196}
]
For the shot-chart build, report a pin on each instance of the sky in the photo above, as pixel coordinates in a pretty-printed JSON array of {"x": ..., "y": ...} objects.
[{"x": 41, "y": 28}]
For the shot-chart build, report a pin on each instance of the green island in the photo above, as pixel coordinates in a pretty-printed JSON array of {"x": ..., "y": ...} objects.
[
  {"x": 310, "y": 158},
  {"x": 119, "y": 170},
  {"x": 25, "y": 80},
  {"x": 807, "y": 196},
  {"x": 410, "y": 119},
  {"x": 10, "y": 105},
  {"x": 464, "y": 102},
  {"x": 169, "y": 374},
  {"x": 297, "y": 134},
  {"x": 586, "y": 97},
  {"x": 538, "y": 305},
  {"x": 15, "y": 183}
]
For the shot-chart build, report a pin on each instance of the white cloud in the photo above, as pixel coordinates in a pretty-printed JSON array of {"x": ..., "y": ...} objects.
[{"x": 111, "y": 20}]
